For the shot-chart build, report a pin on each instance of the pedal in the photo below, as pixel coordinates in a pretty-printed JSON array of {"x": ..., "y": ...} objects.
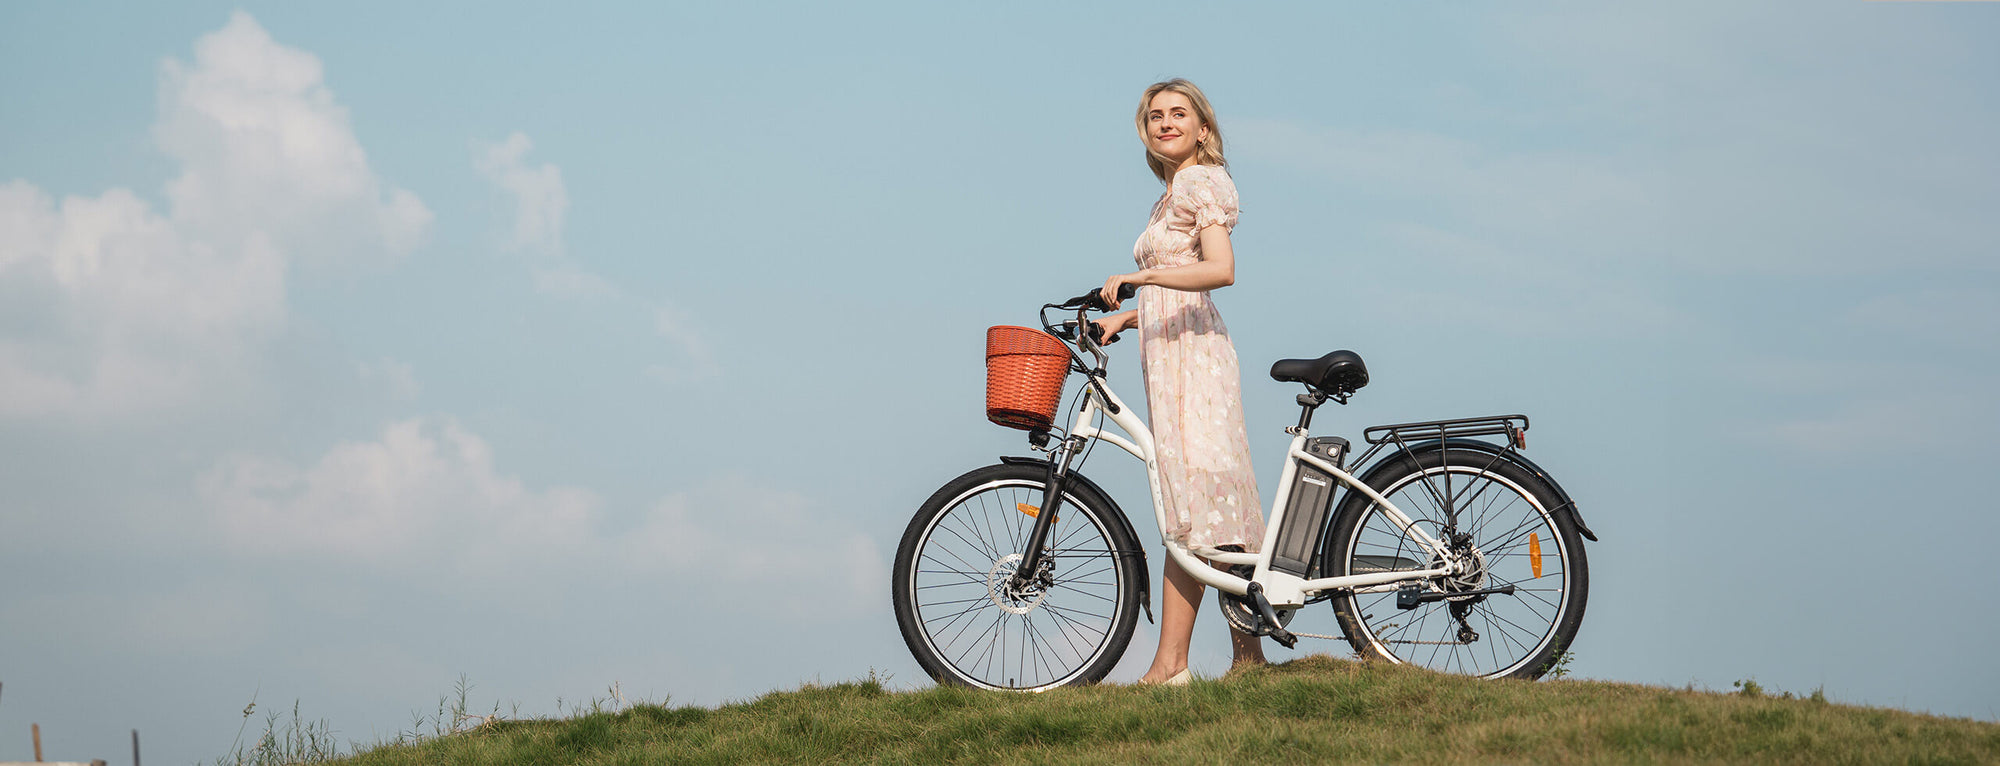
[
  {"x": 1284, "y": 637},
  {"x": 1269, "y": 617},
  {"x": 1409, "y": 597}
]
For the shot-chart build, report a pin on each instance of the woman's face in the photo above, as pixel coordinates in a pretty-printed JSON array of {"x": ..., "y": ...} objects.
[{"x": 1172, "y": 127}]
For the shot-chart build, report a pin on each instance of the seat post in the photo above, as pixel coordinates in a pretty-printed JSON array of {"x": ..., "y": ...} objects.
[{"x": 1308, "y": 402}]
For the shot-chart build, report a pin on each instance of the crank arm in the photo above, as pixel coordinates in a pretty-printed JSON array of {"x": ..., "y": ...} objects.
[{"x": 1271, "y": 627}]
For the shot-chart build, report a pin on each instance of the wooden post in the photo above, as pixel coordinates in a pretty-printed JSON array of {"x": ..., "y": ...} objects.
[{"x": 35, "y": 730}]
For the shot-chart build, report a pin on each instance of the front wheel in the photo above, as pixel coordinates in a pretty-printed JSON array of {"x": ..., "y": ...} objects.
[
  {"x": 1506, "y": 523},
  {"x": 965, "y": 620}
]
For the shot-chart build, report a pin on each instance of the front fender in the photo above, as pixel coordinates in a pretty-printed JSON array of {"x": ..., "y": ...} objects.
[{"x": 1145, "y": 573}]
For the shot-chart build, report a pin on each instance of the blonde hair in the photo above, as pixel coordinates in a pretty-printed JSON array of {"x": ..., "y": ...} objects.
[{"x": 1207, "y": 152}]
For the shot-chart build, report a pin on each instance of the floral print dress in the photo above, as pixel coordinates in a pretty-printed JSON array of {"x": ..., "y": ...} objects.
[{"x": 1193, "y": 388}]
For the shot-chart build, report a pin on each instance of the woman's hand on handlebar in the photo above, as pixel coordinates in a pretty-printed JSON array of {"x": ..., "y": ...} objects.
[
  {"x": 1109, "y": 294},
  {"x": 1110, "y": 325}
]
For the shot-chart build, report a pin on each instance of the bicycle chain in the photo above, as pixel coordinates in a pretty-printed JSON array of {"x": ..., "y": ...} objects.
[{"x": 1303, "y": 634}]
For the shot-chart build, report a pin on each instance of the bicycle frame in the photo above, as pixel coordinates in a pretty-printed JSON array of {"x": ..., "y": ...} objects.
[
  {"x": 1416, "y": 583},
  {"x": 1282, "y": 589}
]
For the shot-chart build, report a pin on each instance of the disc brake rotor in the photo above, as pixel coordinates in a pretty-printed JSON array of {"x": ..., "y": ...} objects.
[
  {"x": 1000, "y": 584},
  {"x": 1474, "y": 578}
]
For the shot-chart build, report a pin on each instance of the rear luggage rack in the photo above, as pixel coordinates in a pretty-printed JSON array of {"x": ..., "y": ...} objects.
[{"x": 1514, "y": 427}]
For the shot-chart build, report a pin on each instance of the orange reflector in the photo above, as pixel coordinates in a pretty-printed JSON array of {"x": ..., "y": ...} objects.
[
  {"x": 1535, "y": 553},
  {"x": 1032, "y": 511}
]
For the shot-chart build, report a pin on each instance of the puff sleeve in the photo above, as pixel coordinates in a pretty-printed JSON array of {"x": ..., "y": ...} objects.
[{"x": 1206, "y": 195}]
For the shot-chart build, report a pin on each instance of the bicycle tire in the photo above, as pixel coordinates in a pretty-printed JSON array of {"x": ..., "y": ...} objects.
[
  {"x": 1515, "y": 521},
  {"x": 962, "y": 623}
]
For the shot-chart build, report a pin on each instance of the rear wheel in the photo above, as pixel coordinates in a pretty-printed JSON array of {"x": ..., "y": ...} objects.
[
  {"x": 966, "y": 621},
  {"x": 1506, "y": 522}
]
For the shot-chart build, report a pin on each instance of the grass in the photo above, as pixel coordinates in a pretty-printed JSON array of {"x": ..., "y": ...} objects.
[
  {"x": 1316, "y": 709},
  {"x": 293, "y": 741}
]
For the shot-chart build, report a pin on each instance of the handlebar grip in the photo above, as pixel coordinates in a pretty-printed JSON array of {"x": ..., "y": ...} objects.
[{"x": 1094, "y": 300}]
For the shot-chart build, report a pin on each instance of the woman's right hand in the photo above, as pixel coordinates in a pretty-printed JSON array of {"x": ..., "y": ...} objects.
[{"x": 1109, "y": 293}]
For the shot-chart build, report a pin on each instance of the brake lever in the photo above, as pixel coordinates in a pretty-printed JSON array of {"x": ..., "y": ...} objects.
[{"x": 1097, "y": 335}]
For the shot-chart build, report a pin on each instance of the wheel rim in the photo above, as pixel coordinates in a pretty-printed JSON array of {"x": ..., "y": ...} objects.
[
  {"x": 993, "y": 636},
  {"x": 1508, "y": 525}
]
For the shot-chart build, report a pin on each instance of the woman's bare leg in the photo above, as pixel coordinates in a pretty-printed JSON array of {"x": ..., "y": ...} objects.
[{"x": 1179, "y": 604}]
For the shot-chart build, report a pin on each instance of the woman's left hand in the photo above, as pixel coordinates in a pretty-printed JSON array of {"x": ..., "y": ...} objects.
[
  {"x": 1110, "y": 291},
  {"x": 1108, "y": 328}
]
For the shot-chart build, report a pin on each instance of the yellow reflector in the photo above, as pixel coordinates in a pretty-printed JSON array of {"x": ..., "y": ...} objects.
[
  {"x": 1535, "y": 553},
  {"x": 1032, "y": 511}
]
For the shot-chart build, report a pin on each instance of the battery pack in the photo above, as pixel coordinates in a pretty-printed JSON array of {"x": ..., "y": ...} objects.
[{"x": 1306, "y": 509}]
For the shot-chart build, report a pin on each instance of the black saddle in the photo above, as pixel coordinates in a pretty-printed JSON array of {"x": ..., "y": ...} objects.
[{"x": 1340, "y": 372}]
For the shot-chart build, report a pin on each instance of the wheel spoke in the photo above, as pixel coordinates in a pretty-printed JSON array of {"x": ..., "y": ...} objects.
[
  {"x": 990, "y": 538},
  {"x": 1498, "y": 505},
  {"x": 1062, "y": 629},
  {"x": 976, "y": 628}
]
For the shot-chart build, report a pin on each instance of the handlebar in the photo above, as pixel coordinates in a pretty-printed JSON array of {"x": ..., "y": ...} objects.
[
  {"x": 1094, "y": 300},
  {"x": 1081, "y": 335},
  {"x": 1075, "y": 330}
]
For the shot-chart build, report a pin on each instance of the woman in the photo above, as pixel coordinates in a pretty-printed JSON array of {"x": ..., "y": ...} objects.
[{"x": 1193, "y": 390}]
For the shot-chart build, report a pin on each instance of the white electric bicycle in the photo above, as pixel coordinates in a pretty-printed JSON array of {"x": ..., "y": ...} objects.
[{"x": 1450, "y": 551}]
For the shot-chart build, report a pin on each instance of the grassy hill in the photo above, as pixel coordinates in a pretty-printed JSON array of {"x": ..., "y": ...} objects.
[{"x": 1314, "y": 710}]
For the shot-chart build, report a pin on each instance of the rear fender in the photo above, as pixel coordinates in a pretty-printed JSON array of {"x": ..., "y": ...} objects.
[{"x": 1563, "y": 505}]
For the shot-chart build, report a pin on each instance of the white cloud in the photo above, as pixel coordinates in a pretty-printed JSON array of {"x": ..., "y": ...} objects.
[
  {"x": 264, "y": 147},
  {"x": 425, "y": 497},
  {"x": 422, "y": 488},
  {"x": 132, "y": 311},
  {"x": 762, "y": 545},
  {"x": 540, "y": 202},
  {"x": 568, "y": 281},
  {"x": 696, "y": 361},
  {"x": 397, "y": 379},
  {"x": 133, "y": 315}
]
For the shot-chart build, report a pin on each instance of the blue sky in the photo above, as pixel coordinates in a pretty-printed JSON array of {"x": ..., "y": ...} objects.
[{"x": 346, "y": 350}]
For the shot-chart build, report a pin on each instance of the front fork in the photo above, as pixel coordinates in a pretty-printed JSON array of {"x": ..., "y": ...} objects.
[{"x": 1031, "y": 559}]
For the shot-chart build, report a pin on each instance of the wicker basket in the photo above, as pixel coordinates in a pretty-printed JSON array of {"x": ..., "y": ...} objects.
[{"x": 1025, "y": 370}]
